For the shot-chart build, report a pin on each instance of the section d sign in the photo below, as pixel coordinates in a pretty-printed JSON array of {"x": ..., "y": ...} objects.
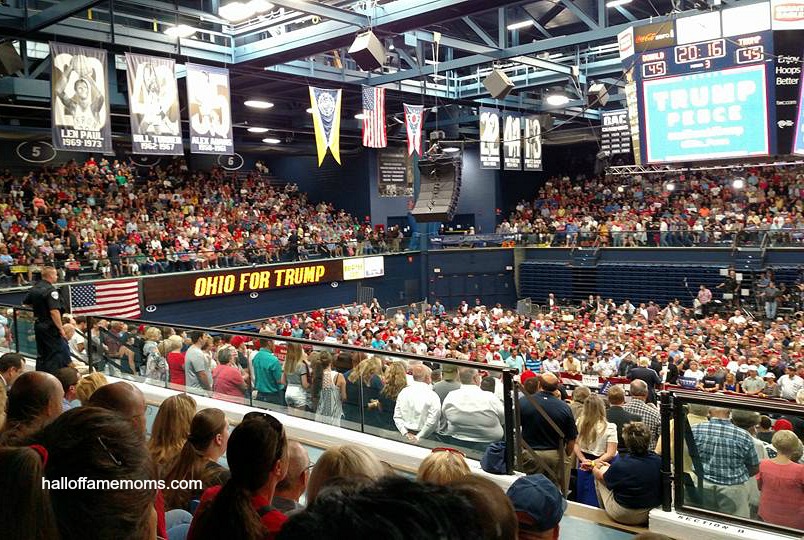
[{"x": 195, "y": 286}]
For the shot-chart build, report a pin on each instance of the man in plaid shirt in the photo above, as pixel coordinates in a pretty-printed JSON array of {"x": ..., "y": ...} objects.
[
  {"x": 649, "y": 414},
  {"x": 729, "y": 459}
]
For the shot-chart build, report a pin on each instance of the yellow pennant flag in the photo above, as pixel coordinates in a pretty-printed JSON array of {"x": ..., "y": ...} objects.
[{"x": 326, "y": 106}]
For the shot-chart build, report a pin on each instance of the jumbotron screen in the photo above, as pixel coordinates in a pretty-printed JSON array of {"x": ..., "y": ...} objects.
[{"x": 707, "y": 100}]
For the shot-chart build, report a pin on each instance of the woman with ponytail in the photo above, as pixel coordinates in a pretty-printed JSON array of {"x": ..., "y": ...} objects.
[
  {"x": 241, "y": 508},
  {"x": 206, "y": 443}
]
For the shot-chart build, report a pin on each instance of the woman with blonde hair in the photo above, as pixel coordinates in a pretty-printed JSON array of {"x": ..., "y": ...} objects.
[
  {"x": 155, "y": 363},
  {"x": 170, "y": 348},
  {"x": 347, "y": 462},
  {"x": 394, "y": 380},
  {"x": 296, "y": 377},
  {"x": 363, "y": 385},
  {"x": 596, "y": 443},
  {"x": 170, "y": 429},
  {"x": 442, "y": 466},
  {"x": 781, "y": 483},
  {"x": 88, "y": 384}
]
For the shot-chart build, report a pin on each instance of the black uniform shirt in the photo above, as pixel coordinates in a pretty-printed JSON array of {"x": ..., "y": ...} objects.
[{"x": 43, "y": 297}]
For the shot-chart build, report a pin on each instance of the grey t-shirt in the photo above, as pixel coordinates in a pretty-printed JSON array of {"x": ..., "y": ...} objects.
[
  {"x": 442, "y": 388},
  {"x": 195, "y": 361}
]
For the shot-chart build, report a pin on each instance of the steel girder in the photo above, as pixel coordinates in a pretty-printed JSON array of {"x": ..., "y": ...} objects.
[{"x": 398, "y": 17}]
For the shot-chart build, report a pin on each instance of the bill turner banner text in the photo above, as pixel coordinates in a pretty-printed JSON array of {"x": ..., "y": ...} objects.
[
  {"x": 184, "y": 287},
  {"x": 80, "y": 99},
  {"x": 154, "y": 102}
]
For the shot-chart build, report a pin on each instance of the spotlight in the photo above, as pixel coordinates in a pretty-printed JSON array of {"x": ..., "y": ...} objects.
[
  {"x": 258, "y": 104},
  {"x": 557, "y": 99},
  {"x": 180, "y": 31}
]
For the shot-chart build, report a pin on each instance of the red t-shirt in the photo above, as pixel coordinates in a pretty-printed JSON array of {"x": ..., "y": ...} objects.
[
  {"x": 271, "y": 519},
  {"x": 226, "y": 383},
  {"x": 175, "y": 362}
]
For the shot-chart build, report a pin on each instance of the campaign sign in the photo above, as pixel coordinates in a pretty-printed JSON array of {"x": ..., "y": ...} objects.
[{"x": 709, "y": 115}]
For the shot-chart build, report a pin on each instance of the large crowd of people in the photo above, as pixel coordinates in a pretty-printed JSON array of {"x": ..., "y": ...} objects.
[
  {"x": 121, "y": 219},
  {"x": 704, "y": 209}
]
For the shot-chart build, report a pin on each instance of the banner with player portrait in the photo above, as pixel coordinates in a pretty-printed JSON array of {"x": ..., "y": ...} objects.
[
  {"x": 512, "y": 142},
  {"x": 80, "y": 98},
  {"x": 489, "y": 138},
  {"x": 533, "y": 143},
  {"x": 209, "y": 106},
  {"x": 153, "y": 101}
]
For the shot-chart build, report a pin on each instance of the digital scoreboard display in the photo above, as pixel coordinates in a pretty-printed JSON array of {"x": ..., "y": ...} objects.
[{"x": 707, "y": 100}]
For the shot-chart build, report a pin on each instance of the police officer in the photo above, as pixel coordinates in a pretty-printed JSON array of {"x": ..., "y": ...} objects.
[{"x": 50, "y": 338}]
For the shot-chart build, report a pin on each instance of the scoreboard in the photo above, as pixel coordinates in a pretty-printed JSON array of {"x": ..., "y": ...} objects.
[{"x": 707, "y": 100}]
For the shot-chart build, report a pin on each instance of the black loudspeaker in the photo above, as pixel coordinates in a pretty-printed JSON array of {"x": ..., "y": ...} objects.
[
  {"x": 439, "y": 191},
  {"x": 498, "y": 84},
  {"x": 10, "y": 61},
  {"x": 597, "y": 95},
  {"x": 367, "y": 51}
]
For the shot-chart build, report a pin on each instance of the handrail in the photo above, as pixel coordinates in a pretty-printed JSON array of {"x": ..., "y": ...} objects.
[{"x": 672, "y": 408}]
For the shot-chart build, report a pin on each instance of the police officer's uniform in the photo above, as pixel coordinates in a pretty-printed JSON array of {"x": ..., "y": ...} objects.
[{"x": 50, "y": 346}]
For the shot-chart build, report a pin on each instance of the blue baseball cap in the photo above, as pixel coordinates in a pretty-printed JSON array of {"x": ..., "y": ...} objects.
[{"x": 538, "y": 503}]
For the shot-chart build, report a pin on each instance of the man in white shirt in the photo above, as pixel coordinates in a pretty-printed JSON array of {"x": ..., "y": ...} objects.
[
  {"x": 790, "y": 383},
  {"x": 418, "y": 407},
  {"x": 471, "y": 416}
]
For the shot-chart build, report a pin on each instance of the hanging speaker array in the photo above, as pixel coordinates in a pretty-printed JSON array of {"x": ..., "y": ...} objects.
[{"x": 439, "y": 192}]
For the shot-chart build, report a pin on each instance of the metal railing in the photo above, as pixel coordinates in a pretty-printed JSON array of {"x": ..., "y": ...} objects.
[
  {"x": 365, "y": 409},
  {"x": 691, "y": 481}
]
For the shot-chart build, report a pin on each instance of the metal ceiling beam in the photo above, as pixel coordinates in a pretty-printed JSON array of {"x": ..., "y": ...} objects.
[
  {"x": 578, "y": 12},
  {"x": 481, "y": 49},
  {"x": 398, "y": 16},
  {"x": 325, "y": 12},
  {"x": 521, "y": 50},
  {"x": 57, "y": 13},
  {"x": 625, "y": 13},
  {"x": 479, "y": 31}
]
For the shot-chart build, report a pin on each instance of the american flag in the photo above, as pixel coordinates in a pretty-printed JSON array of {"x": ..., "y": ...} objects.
[
  {"x": 374, "y": 117},
  {"x": 110, "y": 299}
]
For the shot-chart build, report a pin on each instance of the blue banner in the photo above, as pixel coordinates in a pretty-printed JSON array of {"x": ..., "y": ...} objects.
[{"x": 714, "y": 115}]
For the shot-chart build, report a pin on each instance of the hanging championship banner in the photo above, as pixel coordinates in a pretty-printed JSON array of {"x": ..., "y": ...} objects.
[
  {"x": 512, "y": 142},
  {"x": 489, "y": 138},
  {"x": 80, "y": 98},
  {"x": 615, "y": 132},
  {"x": 533, "y": 143},
  {"x": 326, "y": 106},
  {"x": 208, "y": 102},
  {"x": 414, "y": 119},
  {"x": 153, "y": 101}
]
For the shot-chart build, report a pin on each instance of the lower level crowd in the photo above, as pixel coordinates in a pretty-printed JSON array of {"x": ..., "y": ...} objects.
[{"x": 48, "y": 439}]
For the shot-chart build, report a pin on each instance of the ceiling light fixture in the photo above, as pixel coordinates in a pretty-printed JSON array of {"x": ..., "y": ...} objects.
[
  {"x": 738, "y": 183},
  {"x": 257, "y": 130},
  {"x": 615, "y": 3},
  {"x": 360, "y": 116},
  {"x": 180, "y": 31},
  {"x": 240, "y": 11},
  {"x": 271, "y": 141},
  {"x": 258, "y": 104},
  {"x": 670, "y": 186},
  {"x": 309, "y": 110},
  {"x": 452, "y": 149},
  {"x": 557, "y": 99},
  {"x": 521, "y": 24}
]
